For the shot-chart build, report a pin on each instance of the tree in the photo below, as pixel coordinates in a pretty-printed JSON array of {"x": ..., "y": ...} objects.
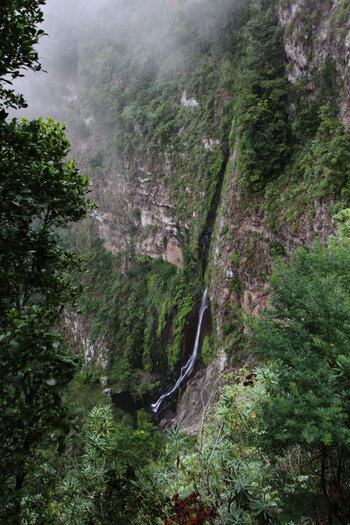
[
  {"x": 95, "y": 483},
  {"x": 18, "y": 35},
  {"x": 305, "y": 337},
  {"x": 261, "y": 133},
  {"x": 39, "y": 192}
]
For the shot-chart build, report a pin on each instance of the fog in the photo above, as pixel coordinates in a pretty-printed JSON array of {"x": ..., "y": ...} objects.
[
  {"x": 138, "y": 24},
  {"x": 142, "y": 26}
]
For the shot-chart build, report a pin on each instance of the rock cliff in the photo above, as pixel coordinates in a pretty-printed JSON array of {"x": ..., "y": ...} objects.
[{"x": 155, "y": 158}]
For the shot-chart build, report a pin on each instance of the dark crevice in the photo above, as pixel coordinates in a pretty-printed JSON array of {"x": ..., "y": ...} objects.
[{"x": 207, "y": 231}]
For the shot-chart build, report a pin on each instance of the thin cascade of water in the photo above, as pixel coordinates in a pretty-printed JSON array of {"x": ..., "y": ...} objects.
[{"x": 187, "y": 369}]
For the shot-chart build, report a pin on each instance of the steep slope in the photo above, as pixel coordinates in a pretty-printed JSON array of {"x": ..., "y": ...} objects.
[{"x": 216, "y": 139}]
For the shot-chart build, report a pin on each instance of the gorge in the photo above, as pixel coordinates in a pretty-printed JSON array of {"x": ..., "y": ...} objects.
[
  {"x": 215, "y": 136},
  {"x": 154, "y": 142}
]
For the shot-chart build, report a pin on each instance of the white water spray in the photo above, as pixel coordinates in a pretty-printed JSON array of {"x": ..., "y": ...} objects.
[{"x": 187, "y": 369}]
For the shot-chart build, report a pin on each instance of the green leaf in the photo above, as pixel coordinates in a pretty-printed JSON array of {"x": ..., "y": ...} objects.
[{"x": 51, "y": 381}]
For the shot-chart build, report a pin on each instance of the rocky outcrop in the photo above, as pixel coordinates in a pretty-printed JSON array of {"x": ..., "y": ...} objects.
[
  {"x": 315, "y": 32},
  {"x": 198, "y": 395},
  {"x": 95, "y": 353},
  {"x": 134, "y": 207},
  {"x": 137, "y": 213},
  {"x": 243, "y": 250}
]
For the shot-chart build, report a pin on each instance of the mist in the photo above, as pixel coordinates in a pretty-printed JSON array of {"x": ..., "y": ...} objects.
[{"x": 153, "y": 30}]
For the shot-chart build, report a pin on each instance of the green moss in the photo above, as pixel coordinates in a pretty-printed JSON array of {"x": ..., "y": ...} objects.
[
  {"x": 235, "y": 258},
  {"x": 260, "y": 131},
  {"x": 140, "y": 312},
  {"x": 233, "y": 339},
  {"x": 208, "y": 351},
  {"x": 153, "y": 228},
  {"x": 185, "y": 307},
  {"x": 276, "y": 248}
]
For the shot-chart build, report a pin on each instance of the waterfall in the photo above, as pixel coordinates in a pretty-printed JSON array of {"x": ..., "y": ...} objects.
[
  {"x": 187, "y": 369},
  {"x": 204, "y": 246}
]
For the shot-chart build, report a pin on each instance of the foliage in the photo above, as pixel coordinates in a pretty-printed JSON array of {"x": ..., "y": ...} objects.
[
  {"x": 229, "y": 478},
  {"x": 207, "y": 350},
  {"x": 305, "y": 337},
  {"x": 138, "y": 311},
  {"x": 35, "y": 369},
  {"x": 342, "y": 219},
  {"x": 94, "y": 482},
  {"x": 39, "y": 191},
  {"x": 260, "y": 128},
  {"x": 19, "y": 34},
  {"x": 84, "y": 391},
  {"x": 325, "y": 159}
]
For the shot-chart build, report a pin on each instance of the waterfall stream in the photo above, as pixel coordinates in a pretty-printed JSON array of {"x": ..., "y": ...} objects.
[
  {"x": 187, "y": 369},
  {"x": 204, "y": 246}
]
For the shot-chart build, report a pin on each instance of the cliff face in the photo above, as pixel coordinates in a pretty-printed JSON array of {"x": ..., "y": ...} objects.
[
  {"x": 244, "y": 247},
  {"x": 140, "y": 215},
  {"x": 315, "y": 32},
  {"x": 244, "y": 244},
  {"x": 156, "y": 159}
]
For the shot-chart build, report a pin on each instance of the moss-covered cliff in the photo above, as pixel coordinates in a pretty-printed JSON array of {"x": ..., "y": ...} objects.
[
  {"x": 216, "y": 136},
  {"x": 248, "y": 101}
]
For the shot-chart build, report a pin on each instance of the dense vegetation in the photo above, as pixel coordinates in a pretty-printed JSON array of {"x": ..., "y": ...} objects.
[
  {"x": 273, "y": 444},
  {"x": 289, "y": 149},
  {"x": 39, "y": 191},
  {"x": 260, "y": 129},
  {"x": 276, "y": 436},
  {"x": 160, "y": 299}
]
